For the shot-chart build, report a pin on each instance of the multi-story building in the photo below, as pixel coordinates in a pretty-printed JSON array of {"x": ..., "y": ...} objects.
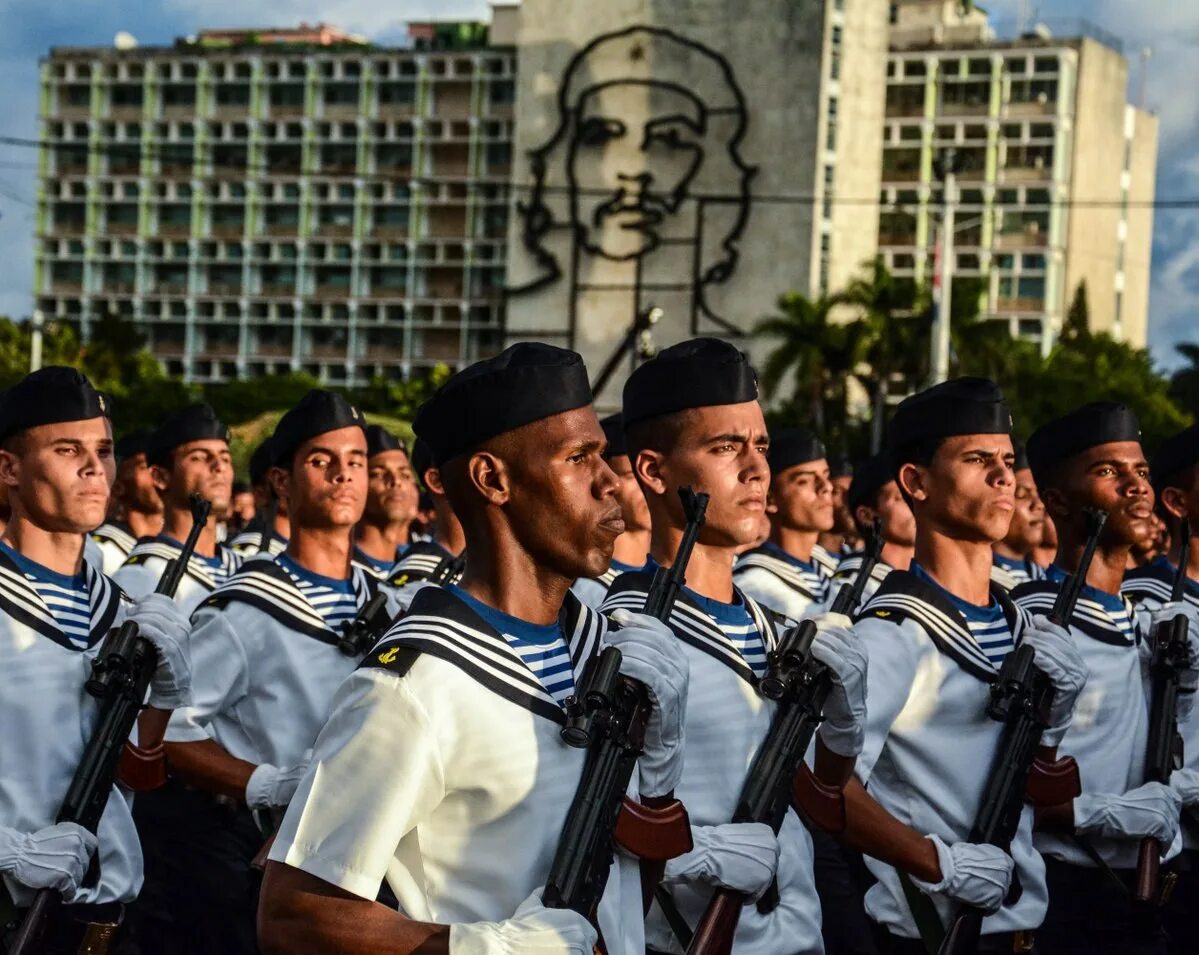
[
  {"x": 266, "y": 201},
  {"x": 1056, "y": 175}
]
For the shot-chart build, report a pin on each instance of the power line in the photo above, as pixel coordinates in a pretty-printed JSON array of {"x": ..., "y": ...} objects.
[{"x": 170, "y": 151}]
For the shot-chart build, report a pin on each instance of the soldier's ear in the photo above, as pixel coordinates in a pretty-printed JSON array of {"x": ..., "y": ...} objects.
[
  {"x": 488, "y": 474},
  {"x": 648, "y": 466},
  {"x": 913, "y": 481},
  {"x": 10, "y": 469},
  {"x": 1056, "y": 505},
  {"x": 1174, "y": 500}
]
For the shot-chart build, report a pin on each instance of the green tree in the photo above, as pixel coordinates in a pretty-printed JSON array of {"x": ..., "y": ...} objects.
[{"x": 1077, "y": 326}]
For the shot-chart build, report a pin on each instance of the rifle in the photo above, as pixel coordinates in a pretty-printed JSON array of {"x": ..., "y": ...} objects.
[
  {"x": 1163, "y": 754},
  {"x": 799, "y": 685},
  {"x": 370, "y": 623},
  {"x": 119, "y": 680},
  {"x": 1020, "y": 699},
  {"x": 608, "y": 715},
  {"x": 268, "y": 525},
  {"x": 448, "y": 570}
]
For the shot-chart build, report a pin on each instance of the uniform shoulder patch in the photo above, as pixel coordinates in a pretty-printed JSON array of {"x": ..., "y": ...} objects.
[{"x": 395, "y": 658}]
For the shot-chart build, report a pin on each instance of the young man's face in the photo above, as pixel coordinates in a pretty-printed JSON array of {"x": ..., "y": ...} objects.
[
  {"x": 59, "y": 475},
  {"x": 801, "y": 497},
  {"x": 197, "y": 467},
  {"x": 326, "y": 487},
  {"x": 1028, "y": 519},
  {"x": 1113, "y": 477},
  {"x": 719, "y": 450},
  {"x": 134, "y": 486},
  {"x": 967, "y": 491},
  {"x": 842, "y": 519},
  {"x": 242, "y": 508},
  {"x": 899, "y": 526},
  {"x": 392, "y": 495},
  {"x": 561, "y": 496},
  {"x": 633, "y": 506}
]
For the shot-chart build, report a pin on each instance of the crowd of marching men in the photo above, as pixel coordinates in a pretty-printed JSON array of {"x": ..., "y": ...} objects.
[{"x": 354, "y": 735}]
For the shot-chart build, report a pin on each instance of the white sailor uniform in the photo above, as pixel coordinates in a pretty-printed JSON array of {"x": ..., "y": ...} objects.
[
  {"x": 847, "y": 573},
  {"x": 783, "y": 583},
  {"x": 593, "y": 590},
  {"x": 463, "y": 815},
  {"x": 114, "y": 542},
  {"x": 420, "y": 562},
  {"x": 249, "y": 542},
  {"x": 929, "y": 742},
  {"x": 1010, "y": 572},
  {"x": 726, "y": 722},
  {"x": 144, "y": 567},
  {"x": 379, "y": 569},
  {"x": 46, "y": 651}
]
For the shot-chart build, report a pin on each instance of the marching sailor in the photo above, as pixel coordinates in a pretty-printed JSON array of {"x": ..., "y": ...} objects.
[
  {"x": 56, "y": 610},
  {"x": 631, "y": 546},
  {"x": 1012, "y": 558},
  {"x": 1175, "y": 469},
  {"x": 937, "y": 635},
  {"x": 874, "y": 495},
  {"x": 188, "y": 454},
  {"x": 381, "y": 537},
  {"x": 844, "y": 538},
  {"x": 790, "y": 572},
  {"x": 138, "y": 506},
  {"x": 270, "y": 512},
  {"x": 1092, "y": 458},
  {"x": 692, "y": 418},
  {"x": 464, "y": 697},
  {"x": 440, "y": 558}
]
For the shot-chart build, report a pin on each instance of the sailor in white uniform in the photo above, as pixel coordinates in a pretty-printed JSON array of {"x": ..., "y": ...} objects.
[
  {"x": 875, "y": 495},
  {"x": 441, "y": 557},
  {"x": 138, "y": 504},
  {"x": 461, "y": 814},
  {"x": 1012, "y": 557},
  {"x": 633, "y": 545},
  {"x": 937, "y": 635},
  {"x": 1092, "y": 458},
  {"x": 268, "y": 662},
  {"x": 381, "y": 537},
  {"x": 56, "y": 612},
  {"x": 692, "y": 418},
  {"x": 188, "y": 454},
  {"x": 790, "y": 572},
  {"x": 1175, "y": 470},
  {"x": 271, "y": 517}
]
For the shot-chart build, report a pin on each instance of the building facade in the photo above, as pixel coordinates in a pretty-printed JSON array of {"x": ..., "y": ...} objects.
[
  {"x": 1056, "y": 170},
  {"x": 262, "y": 202}
]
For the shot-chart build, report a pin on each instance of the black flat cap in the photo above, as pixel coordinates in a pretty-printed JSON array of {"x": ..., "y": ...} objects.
[
  {"x": 613, "y": 426},
  {"x": 527, "y": 382},
  {"x": 50, "y": 395},
  {"x": 1100, "y": 422},
  {"x": 1174, "y": 456},
  {"x": 131, "y": 445},
  {"x": 871, "y": 476},
  {"x": 1021, "y": 457},
  {"x": 955, "y": 407},
  {"x": 699, "y": 373},
  {"x": 318, "y": 412},
  {"x": 262, "y": 460},
  {"x": 194, "y": 423},
  {"x": 422, "y": 460},
  {"x": 379, "y": 439},
  {"x": 793, "y": 446},
  {"x": 840, "y": 466}
]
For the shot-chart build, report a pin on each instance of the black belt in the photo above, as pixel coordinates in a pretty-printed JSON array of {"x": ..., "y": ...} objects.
[{"x": 994, "y": 944}]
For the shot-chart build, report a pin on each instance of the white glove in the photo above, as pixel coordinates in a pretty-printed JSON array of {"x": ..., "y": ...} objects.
[
  {"x": 844, "y": 726},
  {"x": 52, "y": 858},
  {"x": 743, "y": 856},
  {"x": 164, "y": 625},
  {"x": 653, "y": 655},
  {"x": 533, "y": 929},
  {"x": 975, "y": 874},
  {"x": 1185, "y": 783},
  {"x": 1149, "y": 810},
  {"x": 1059, "y": 659},
  {"x": 270, "y": 786}
]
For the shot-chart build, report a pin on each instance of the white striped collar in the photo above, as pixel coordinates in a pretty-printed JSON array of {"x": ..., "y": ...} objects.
[
  {"x": 794, "y": 577},
  {"x": 1090, "y": 617},
  {"x": 166, "y": 549},
  {"x": 112, "y": 533},
  {"x": 21, "y": 601}
]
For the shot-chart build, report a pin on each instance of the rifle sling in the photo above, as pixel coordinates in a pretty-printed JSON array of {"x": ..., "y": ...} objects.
[
  {"x": 924, "y": 914},
  {"x": 674, "y": 918},
  {"x": 1109, "y": 873}
]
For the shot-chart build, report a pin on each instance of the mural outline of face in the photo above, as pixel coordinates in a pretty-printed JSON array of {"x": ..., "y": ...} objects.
[{"x": 628, "y": 175}]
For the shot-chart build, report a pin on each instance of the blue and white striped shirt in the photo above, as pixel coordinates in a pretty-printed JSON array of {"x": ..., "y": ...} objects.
[
  {"x": 66, "y": 597},
  {"x": 335, "y": 600},
  {"x": 988, "y": 625},
  {"x": 541, "y": 646},
  {"x": 816, "y": 578},
  {"x": 738, "y": 625}
]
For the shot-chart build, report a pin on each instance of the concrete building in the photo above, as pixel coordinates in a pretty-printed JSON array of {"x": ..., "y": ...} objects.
[
  {"x": 274, "y": 200},
  {"x": 1059, "y": 168},
  {"x": 687, "y": 156}
]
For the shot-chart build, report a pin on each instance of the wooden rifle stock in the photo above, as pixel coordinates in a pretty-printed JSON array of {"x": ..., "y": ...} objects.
[
  {"x": 1021, "y": 699},
  {"x": 120, "y": 678},
  {"x": 1163, "y": 752},
  {"x": 778, "y": 777}
]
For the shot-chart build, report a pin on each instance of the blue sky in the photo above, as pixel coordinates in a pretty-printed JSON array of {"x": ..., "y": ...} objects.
[{"x": 1169, "y": 27}]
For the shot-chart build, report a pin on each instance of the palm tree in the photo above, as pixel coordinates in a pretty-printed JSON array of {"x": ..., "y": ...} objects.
[{"x": 819, "y": 353}]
